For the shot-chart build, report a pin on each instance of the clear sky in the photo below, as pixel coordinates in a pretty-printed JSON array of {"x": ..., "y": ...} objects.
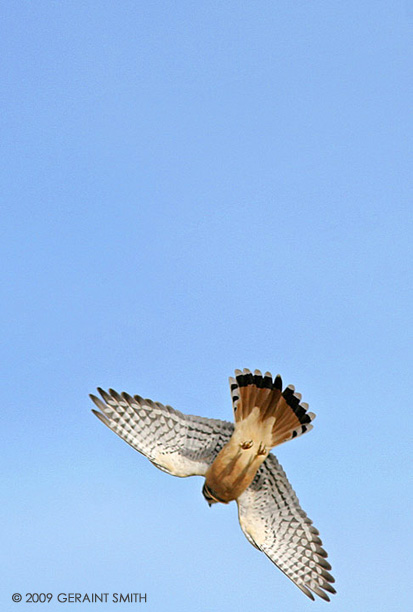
[{"x": 190, "y": 188}]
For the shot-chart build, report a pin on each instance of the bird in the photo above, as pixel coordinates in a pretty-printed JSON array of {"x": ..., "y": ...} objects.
[{"x": 236, "y": 462}]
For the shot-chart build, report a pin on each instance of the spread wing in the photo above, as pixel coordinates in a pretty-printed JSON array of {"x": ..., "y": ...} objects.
[
  {"x": 179, "y": 444},
  {"x": 273, "y": 521}
]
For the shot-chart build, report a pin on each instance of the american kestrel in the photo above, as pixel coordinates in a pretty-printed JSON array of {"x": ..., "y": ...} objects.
[{"x": 236, "y": 462}]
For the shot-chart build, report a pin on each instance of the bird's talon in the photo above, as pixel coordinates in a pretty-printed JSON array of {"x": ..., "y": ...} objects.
[
  {"x": 262, "y": 449},
  {"x": 247, "y": 444}
]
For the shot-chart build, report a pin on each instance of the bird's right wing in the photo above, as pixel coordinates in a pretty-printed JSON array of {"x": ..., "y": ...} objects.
[
  {"x": 179, "y": 444},
  {"x": 273, "y": 521}
]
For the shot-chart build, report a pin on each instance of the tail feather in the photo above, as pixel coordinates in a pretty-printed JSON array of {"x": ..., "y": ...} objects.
[
  {"x": 234, "y": 394},
  {"x": 264, "y": 393},
  {"x": 249, "y": 391}
]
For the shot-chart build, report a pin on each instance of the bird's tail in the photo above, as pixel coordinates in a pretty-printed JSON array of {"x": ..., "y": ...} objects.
[{"x": 290, "y": 416}]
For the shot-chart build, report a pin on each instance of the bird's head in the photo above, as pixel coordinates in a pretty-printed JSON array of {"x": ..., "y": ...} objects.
[{"x": 209, "y": 496}]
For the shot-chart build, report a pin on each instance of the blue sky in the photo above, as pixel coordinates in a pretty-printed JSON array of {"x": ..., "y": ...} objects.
[{"x": 190, "y": 188}]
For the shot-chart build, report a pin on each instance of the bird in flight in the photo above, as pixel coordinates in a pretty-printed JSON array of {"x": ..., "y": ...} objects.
[{"x": 236, "y": 462}]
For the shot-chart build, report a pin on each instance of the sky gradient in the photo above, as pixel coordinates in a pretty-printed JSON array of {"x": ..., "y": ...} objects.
[{"x": 190, "y": 188}]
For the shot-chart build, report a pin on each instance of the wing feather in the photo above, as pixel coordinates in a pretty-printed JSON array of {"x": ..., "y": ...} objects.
[
  {"x": 273, "y": 521},
  {"x": 179, "y": 444}
]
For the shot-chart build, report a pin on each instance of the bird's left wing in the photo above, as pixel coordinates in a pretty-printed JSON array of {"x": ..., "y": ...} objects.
[
  {"x": 273, "y": 521},
  {"x": 179, "y": 444}
]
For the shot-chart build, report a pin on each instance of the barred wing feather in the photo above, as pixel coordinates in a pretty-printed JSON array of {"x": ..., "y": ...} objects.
[
  {"x": 273, "y": 521},
  {"x": 179, "y": 444}
]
